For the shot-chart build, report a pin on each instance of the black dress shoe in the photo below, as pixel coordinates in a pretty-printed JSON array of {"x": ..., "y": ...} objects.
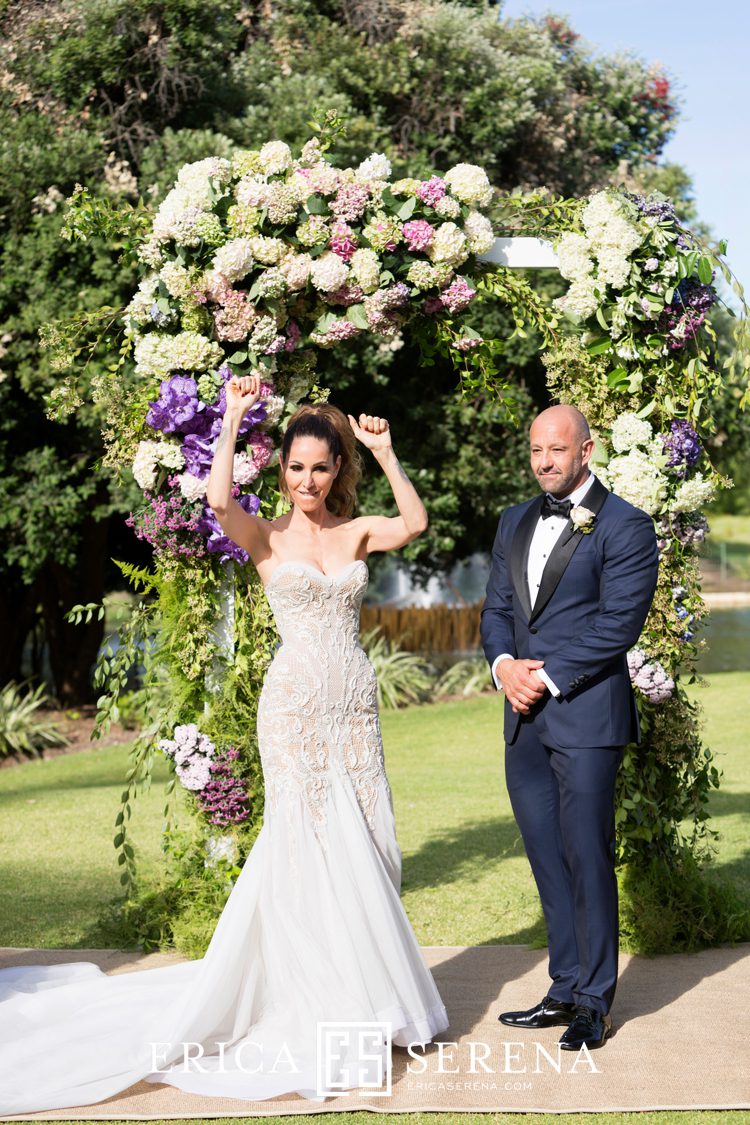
[
  {"x": 548, "y": 1013},
  {"x": 588, "y": 1029}
]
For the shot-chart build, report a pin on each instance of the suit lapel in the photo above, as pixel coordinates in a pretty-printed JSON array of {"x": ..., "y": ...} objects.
[
  {"x": 565, "y": 548},
  {"x": 519, "y": 553}
]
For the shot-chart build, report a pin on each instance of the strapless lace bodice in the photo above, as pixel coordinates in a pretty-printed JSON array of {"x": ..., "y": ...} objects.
[{"x": 318, "y": 710}]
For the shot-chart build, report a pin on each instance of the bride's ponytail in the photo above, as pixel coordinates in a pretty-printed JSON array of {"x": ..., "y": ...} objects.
[{"x": 328, "y": 424}]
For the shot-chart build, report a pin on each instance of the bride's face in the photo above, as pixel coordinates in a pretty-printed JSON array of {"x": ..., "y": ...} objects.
[{"x": 310, "y": 472}]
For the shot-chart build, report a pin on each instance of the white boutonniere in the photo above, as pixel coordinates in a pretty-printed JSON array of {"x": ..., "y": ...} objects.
[{"x": 582, "y": 519}]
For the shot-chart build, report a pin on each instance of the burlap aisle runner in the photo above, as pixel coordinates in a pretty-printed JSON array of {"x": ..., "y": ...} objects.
[{"x": 681, "y": 1042}]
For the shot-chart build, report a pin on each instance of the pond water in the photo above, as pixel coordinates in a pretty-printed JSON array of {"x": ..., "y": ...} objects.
[{"x": 727, "y": 632}]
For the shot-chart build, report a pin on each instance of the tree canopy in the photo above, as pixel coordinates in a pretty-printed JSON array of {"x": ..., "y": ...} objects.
[{"x": 117, "y": 94}]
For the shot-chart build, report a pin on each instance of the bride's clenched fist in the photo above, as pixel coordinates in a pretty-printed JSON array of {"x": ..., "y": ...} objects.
[
  {"x": 243, "y": 391},
  {"x": 372, "y": 431}
]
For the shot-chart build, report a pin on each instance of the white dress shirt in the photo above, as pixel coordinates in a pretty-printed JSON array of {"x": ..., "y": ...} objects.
[{"x": 546, "y": 534}]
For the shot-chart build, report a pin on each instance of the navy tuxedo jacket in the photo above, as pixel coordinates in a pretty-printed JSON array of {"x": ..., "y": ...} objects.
[{"x": 594, "y": 598}]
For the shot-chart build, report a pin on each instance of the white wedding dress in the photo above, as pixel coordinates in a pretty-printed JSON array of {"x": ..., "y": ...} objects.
[{"x": 313, "y": 930}]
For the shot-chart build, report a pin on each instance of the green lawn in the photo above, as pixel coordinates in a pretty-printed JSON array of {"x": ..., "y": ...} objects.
[
  {"x": 465, "y": 878},
  {"x": 729, "y": 539}
]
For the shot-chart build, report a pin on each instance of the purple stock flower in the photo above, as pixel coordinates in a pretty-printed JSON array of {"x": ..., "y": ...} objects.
[
  {"x": 682, "y": 445},
  {"x": 224, "y": 796}
]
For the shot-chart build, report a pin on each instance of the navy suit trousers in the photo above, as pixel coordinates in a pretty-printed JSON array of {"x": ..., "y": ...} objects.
[{"x": 563, "y": 801}]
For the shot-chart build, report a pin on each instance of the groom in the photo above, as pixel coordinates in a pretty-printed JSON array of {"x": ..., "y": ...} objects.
[{"x": 572, "y": 579}]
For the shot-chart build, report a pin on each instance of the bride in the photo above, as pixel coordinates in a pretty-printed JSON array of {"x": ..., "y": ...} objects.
[{"x": 314, "y": 931}]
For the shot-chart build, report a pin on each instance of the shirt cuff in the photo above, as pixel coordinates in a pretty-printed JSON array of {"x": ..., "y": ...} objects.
[
  {"x": 502, "y": 656},
  {"x": 554, "y": 689}
]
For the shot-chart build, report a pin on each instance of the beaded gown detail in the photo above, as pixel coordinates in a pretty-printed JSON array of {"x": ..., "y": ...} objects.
[{"x": 313, "y": 929}]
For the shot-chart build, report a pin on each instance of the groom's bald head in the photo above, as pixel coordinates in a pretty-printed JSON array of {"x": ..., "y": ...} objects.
[
  {"x": 562, "y": 417},
  {"x": 561, "y": 448}
]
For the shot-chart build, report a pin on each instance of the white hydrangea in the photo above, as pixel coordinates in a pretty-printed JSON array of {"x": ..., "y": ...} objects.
[
  {"x": 176, "y": 278},
  {"x": 448, "y": 207},
  {"x": 692, "y": 495},
  {"x": 599, "y": 212},
  {"x": 628, "y": 431},
  {"x": 614, "y": 266},
  {"x": 151, "y": 252},
  {"x": 581, "y": 298},
  {"x": 252, "y": 191},
  {"x": 612, "y": 238},
  {"x": 376, "y": 167},
  {"x": 177, "y": 217},
  {"x": 296, "y": 269},
  {"x": 329, "y": 272},
  {"x": 469, "y": 183},
  {"x": 169, "y": 455},
  {"x": 299, "y": 186},
  {"x": 192, "y": 487},
  {"x": 274, "y": 405},
  {"x": 478, "y": 230},
  {"x": 234, "y": 259},
  {"x": 268, "y": 251},
  {"x": 244, "y": 469},
  {"x": 157, "y": 353},
  {"x": 324, "y": 179},
  {"x": 275, "y": 157},
  {"x": 365, "y": 266},
  {"x": 573, "y": 257},
  {"x": 449, "y": 244},
  {"x": 194, "y": 178},
  {"x": 145, "y": 464},
  {"x": 635, "y": 477},
  {"x": 139, "y": 307},
  {"x": 149, "y": 455}
]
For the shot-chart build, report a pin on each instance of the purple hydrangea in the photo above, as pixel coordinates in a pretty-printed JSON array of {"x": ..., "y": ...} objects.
[
  {"x": 681, "y": 319},
  {"x": 648, "y": 676},
  {"x": 682, "y": 445}
]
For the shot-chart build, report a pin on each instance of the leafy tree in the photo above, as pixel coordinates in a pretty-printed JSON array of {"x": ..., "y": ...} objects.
[{"x": 117, "y": 94}]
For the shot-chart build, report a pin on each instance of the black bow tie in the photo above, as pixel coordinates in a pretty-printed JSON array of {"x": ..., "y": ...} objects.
[{"x": 552, "y": 507}]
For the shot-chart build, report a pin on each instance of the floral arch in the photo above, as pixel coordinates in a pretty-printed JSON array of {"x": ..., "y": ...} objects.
[{"x": 268, "y": 261}]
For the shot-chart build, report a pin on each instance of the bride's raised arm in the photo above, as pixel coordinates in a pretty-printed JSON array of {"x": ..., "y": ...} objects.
[
  {"x": 387, "y": 533},
  {"x": 245, "y": 530}
]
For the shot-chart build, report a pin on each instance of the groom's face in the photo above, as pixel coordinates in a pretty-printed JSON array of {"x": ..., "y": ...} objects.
[{"x": 559, "y": 455}]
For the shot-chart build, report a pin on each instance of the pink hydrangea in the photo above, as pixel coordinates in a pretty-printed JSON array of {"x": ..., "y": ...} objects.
[
  {"x": 350, "y": 202},
  {"x": 235, "y": 317},
  {"x": 433, "y": 305},
  {"x": 432, "y": 190},
  {"x": 337, "y": 331},
  {"x": 458, "y": 295},
  {"x": 343, "y": 241},
  {"x": 418, "y": 234},
  {"x": 261, "y": 446},
  {"x": 466, "y": 343},
  {"x": 346, "y": 295}
]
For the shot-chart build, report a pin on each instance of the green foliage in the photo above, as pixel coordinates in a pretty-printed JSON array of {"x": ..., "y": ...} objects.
[
  {"x": 22, "y": 731},
  {"x": 465, "y": 677},
  {"x": 679, "y": 908},
  {"x": 402, "y": 676}
]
